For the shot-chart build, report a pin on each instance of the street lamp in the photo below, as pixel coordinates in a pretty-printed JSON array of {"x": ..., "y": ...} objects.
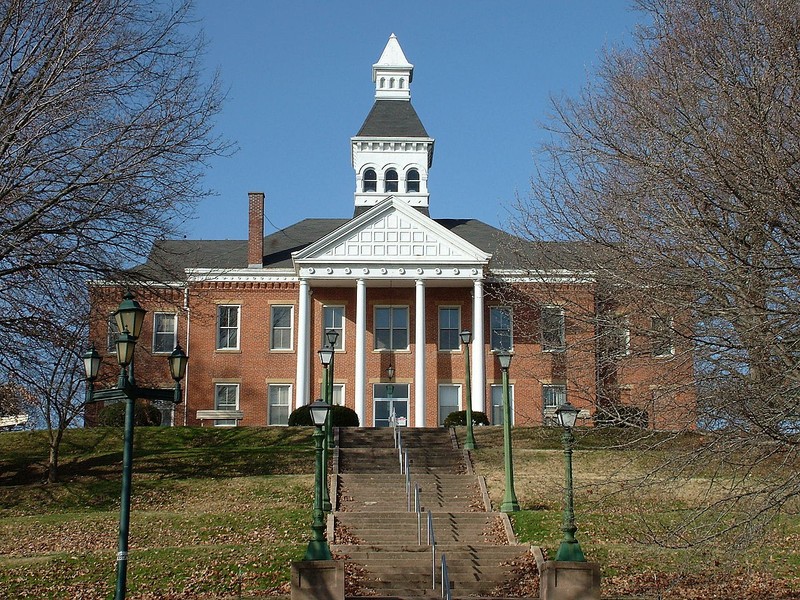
[
  {"x": 332, "y": 336},
  {"x": 326, "y": 358},
  {"x": 570, "y": 549},
  {"x": 129, "y": 317},
  {"x": 510, "y": 503},
  {"x": 466, "y": 339},
  {"x": 318, "y": 548},
  {"x": 389, "y": 394}
]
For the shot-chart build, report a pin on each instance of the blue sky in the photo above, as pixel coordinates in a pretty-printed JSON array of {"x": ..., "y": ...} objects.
[{"x": 298, "y": 80}]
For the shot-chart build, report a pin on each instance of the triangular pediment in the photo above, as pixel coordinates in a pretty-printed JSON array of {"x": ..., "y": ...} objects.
[{"x": 392, "y": 232}]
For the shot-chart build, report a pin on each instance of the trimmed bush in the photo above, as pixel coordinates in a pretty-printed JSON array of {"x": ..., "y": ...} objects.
[
  {"x": 341, "y": 415},
  {"x": 459, "y": 419},
  {"x": 144, "y": 415},
  {"x": 621, "y": 415}
]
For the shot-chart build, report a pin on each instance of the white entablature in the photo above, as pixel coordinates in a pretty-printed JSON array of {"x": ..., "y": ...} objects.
[{"x": 391, "y": 239}]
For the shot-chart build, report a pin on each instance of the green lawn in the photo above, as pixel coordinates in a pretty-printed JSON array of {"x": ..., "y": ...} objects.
[{"x": 219, "y": 511}]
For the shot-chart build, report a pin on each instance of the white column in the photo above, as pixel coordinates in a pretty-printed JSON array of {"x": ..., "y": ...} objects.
[
  {"x": 303, "y": 334},
  {"x": 419, "y": 357},
  {"x": 361, "y": 351},
  {"x": 478, "y": 349}
]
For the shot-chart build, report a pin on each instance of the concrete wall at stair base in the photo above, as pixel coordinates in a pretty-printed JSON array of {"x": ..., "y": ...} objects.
[
  {"x": 318, "y": 580},
  {"x": 561, "y": 580}
]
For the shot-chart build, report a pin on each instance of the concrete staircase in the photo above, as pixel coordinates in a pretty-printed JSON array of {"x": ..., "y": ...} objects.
[{"x": 384, "y": 540}]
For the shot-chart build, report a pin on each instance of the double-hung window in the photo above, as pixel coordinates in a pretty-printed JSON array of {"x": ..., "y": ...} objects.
[
  {"x": 165, "y": 332},
  {"x": 112, "y": 334},
  {"x": 333, "y": 320},
  {"x": 500, "y": 324},
  {"x": 391, "y": 328},
  {"x": 618, "y": 336},
  {"x": 279, "y": 402},
  {"x": 449, "y": 400},
  {"x": 228, "y": 327},
  {"x": 553, "y": 330},
  {"x": 496, "y": 391},
  {"x": 281, "y": 329},
  {"x": 661, "y": 337},
  {"x": 226, "y": 397},
  {"x": 449, "y": 328}
]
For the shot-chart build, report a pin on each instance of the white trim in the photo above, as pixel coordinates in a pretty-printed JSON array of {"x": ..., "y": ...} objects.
[
  {"x": 361, "y": 351},
  {"x": 420, "y": 399}
]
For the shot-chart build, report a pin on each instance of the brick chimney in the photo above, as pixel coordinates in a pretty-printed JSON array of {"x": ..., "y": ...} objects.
[{"x": 255, "y": 238}]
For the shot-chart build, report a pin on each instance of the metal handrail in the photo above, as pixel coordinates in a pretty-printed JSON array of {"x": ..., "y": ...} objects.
[
  {"x": 418, "y": 510},
  {"x": 447, "y": 593},
  {"x": 432, "y": 544}
]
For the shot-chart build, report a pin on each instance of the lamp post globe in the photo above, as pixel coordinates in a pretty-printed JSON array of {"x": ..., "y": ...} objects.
[{"x": 130, "y": 315}]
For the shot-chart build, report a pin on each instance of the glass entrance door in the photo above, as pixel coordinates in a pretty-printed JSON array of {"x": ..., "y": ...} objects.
[{"x": 390, "y": 404}]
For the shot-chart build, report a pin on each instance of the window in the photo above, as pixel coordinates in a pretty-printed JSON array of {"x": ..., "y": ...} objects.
[
  {"x": 618, "y": 336},
  {"x": 370, "y": 181},
  {"x": 165, "y": 331},
  {"x": 338, "y": 394},
  {"x": 449, "y": 400},
  {"x": 279, "y": 401},
  {"x": 112, "y": 334},
  {"x": 167, "y": 410},
  {"x": 226, "y": 397},
  {"x": 412, "y": 181},
  {"x": 497, "y": 403},
  {"x": 281, "y": 319},
  {"x": 391, "y": 181},
  {"x": 449, "y": 328},
  {"x": 553, "y": 396},
  {"x": 500, "y": 323},
  {"x": 661, "y": 337},
  {"x": 391, "y": 328},
  {"x": 228, "y": 327},
  {"x": 552, "y": 323},
  {"x": 333, "y": 320}
]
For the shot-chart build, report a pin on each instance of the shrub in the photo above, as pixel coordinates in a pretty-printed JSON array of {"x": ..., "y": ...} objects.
[
  {"x": 621, "y": 415},
  {"x": 341, "y": 415},
  {"x": 113, "y": 415},
  {"x": 459, "y": 418}
]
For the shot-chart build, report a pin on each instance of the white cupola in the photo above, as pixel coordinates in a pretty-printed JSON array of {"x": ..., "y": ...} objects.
[
  {"x": 392, "y": 73},
  {"x": 392, "y": 152}
]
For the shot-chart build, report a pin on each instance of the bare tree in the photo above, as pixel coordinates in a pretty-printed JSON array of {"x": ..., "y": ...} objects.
[{"x": 678, "y": 169}]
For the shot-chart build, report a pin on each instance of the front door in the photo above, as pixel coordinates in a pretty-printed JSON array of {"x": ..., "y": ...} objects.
[{"x": 390, "y": 404}]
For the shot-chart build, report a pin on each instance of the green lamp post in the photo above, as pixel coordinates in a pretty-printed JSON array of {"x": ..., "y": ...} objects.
[
  {"x": 318, "y": 548},
  {"x": 332, "y": 337},
  {"x": 130, "y": 318},
  {"x": 570, "y": 549},
  {"x": 326, "y": 358},
  {"x": 466, "y": 339},
  {"x": 510, "y": 503}
]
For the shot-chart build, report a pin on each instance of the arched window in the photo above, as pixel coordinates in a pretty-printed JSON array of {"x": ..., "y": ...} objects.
[
  {"x": 402, "y": 83},
  {"x": 370, "y": 182},
  {"x": 391, "y": 180},
  {"x": 383, "y": 82},
  {"x": 391, "y": 83},
  {"x": 412, "y": 180}
]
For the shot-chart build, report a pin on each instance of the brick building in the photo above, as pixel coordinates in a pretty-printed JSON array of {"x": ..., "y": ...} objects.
[{"x": 398, "y": 286}]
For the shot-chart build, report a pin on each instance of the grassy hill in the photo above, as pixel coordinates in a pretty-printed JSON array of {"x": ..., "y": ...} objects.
[{"x": 219, "y": 512}]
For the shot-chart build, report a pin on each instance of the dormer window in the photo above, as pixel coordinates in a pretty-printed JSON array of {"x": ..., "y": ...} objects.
[
  {"x": 370, "y": 181},
  {"x": 412, "y": 181},
  {"x": 391, "y": 181}
]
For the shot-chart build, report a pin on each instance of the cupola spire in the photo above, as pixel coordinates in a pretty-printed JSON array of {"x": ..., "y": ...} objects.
[{"x": 392, "y": 73}]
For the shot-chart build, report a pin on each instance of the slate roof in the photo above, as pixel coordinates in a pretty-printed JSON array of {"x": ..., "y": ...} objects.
[
  {"x": 169, "y": 258},
  {"x": 392, "y": 118}
]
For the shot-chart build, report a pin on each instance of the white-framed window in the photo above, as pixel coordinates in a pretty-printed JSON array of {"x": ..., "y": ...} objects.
[
  {"x": 391, "y": 181},
  {"x": 279, "y": 395},
  {"x": 553, "y": 396},
  {"x": 370, "y": 181},
  {"x": 500, "y": 325},
  {"x": 165, "y": 332},
  {"x": 449, "y": 327},
  {"x": 228, "y": 326},
  {"x": 281, "y": 327},
  {"x": 496, "y": 393},
  {"x": 412, "y": 181},
  {"x": 338, "y": 394},
  {"x": 619, "y": 336},
  {"x": 333, "y": 320},
  {"x": 661, "y": 337},
  {"x": 449, "y": 400},
  {"x": 391, "y": 328},
  {"x": 552, "y": 329},
  {"x": 226, "y": 397},
  {"x": 112, "y": 334}
]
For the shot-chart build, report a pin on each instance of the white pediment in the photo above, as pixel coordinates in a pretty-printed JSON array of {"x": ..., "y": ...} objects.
[{"x": 392, "y": 232}]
